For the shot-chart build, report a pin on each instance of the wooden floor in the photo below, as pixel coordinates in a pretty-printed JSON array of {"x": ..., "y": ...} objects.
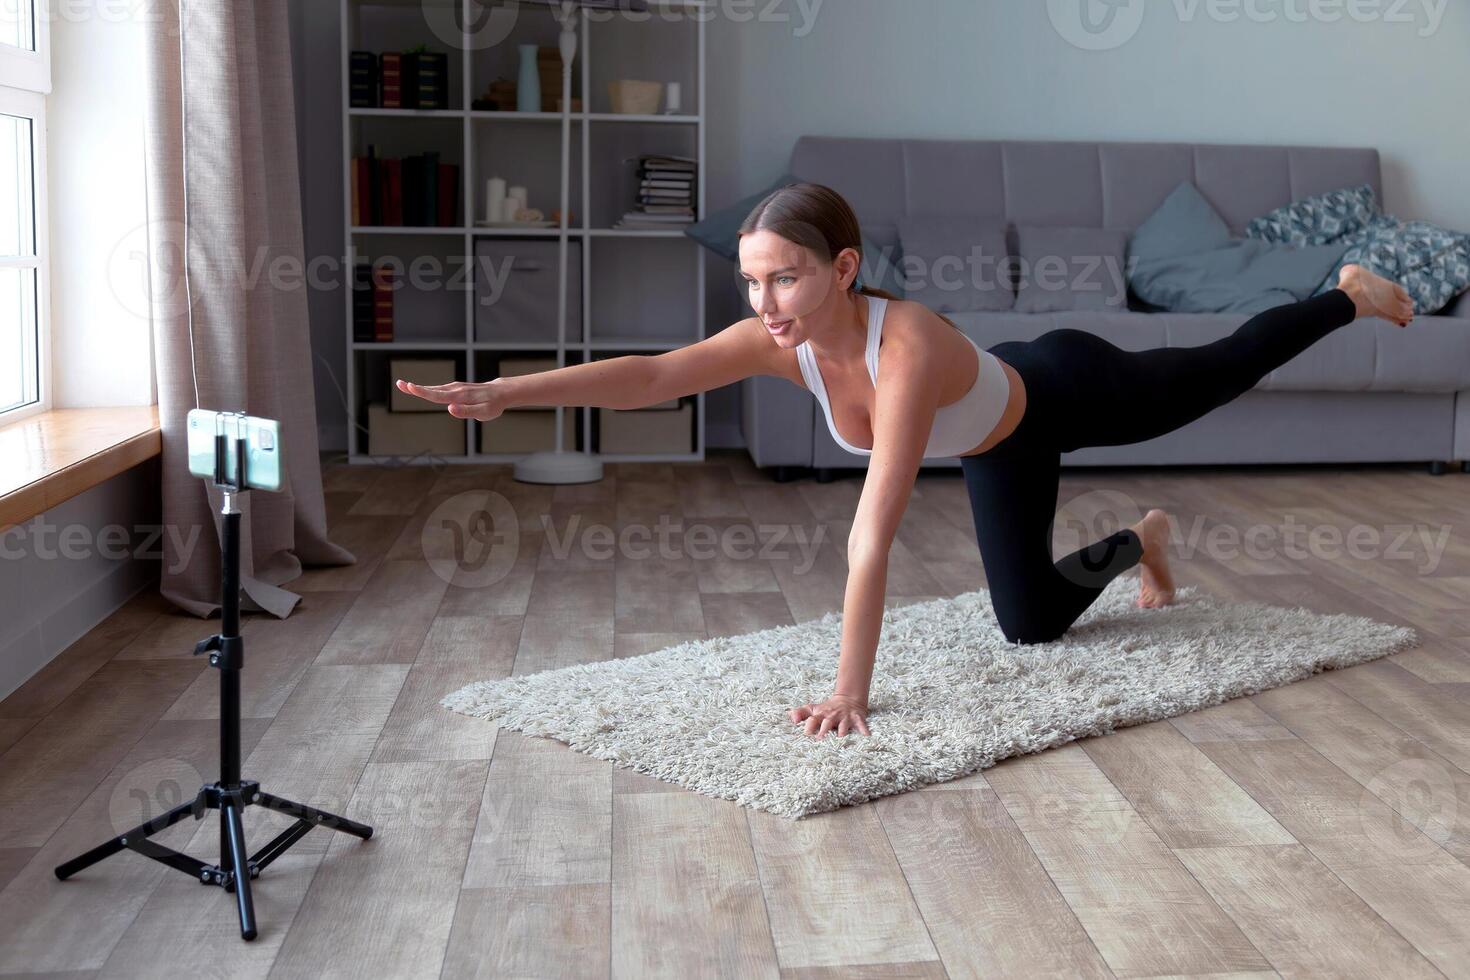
[{"x": 1318, "y": 829}]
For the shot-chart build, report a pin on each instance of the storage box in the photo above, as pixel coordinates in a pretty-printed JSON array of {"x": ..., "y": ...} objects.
[
  {"x": 528, "y": 431},
  {"x": 633, "y": 96},
  {"x": 421, "y": 371},
  {"x": 646, "y": 430},
  {"x": 413, "y": 433},
  {"x": 516, "y": 285}
]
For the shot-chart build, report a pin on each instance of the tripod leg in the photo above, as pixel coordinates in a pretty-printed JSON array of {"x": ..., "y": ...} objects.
[
  {"x": 240, "y": 859},
  {"x": 140, "y": 832},
  {"x": 311, "y": 814}
]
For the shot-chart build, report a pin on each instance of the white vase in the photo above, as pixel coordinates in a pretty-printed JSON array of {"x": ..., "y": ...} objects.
[{"x": 528, "y": 85}]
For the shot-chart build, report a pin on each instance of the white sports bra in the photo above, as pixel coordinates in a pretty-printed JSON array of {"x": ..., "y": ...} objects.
[{"x": 958, "y": 428}]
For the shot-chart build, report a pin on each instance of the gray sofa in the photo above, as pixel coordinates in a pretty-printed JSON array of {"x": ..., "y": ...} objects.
[{"x": 1370, "y": 392}]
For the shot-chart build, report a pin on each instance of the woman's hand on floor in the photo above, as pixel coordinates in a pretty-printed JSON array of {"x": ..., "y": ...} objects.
[
  {"x": 465, "y": 400},
  {"x": 838, "y": 713}
]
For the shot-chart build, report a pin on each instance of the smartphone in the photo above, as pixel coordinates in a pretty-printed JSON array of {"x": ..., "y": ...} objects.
[{"x": 262, "y": 447}]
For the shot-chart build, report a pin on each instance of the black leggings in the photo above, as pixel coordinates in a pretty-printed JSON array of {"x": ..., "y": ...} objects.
[{"x": 1081, "y": 391}]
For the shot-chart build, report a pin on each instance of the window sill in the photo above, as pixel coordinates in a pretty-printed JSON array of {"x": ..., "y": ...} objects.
[{"x": 53, "y": 456}]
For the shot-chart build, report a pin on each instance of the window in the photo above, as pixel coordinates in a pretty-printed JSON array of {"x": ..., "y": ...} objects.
[{"x": 24, "y": 79}]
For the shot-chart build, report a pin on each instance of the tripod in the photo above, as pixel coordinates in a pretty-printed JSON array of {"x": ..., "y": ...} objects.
[{"x": 230, "y": 795}]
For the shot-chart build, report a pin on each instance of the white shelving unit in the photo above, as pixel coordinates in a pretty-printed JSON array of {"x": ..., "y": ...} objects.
[{"x": 673, "y": 34}]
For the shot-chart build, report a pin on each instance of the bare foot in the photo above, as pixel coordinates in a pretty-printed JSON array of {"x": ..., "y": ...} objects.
[
  {"x": 1375, "y": 295},
  {"x": 1156, "y": 586}
]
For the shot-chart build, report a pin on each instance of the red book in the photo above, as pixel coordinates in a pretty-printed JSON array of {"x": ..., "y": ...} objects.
[
  {"x": 382, "y": 303},
  {"x": 363, "y": 202},
  {"x": 395, "y": 192},
  {"x": 448, "y": 195},
  {"x": 390, "y": 71},
  {"x": 390, "y": 191}
]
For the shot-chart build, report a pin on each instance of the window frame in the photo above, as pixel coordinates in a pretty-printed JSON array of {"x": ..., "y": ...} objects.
[
  {"x": 25, "y": 80},
  {"x": 30, "y": 70}
]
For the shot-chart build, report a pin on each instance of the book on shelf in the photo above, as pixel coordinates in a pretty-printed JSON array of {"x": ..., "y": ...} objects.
[
  {"x": 383, "y": 278},
  {"x": 398, "y": 80},
  {"x": 372, "y": 301},
  {"x": 362, "y": 301},
  {"x": 425, "y": 79},
  {"x": 415, "y": 191},
  {"x": 448, "y": 200},
  {"x": 681, "y": 214},
  {"x": 390, "y": 71},
  {"x": 637, "y": 220},
  {"x": 660, "y": 161},
  {"x": 362, "y": 80},
  {"x": 666, "y": 193}
]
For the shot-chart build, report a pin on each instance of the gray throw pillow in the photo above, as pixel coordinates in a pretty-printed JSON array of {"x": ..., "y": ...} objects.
[
  {"x": 1070, "y": 268},
  {"x": 719, "y": 231},
  {"x": 1183, "y": 224},
  {"x": 955, "y": 263}
]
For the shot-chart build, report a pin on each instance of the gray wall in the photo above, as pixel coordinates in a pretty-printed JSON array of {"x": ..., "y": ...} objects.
[
  {"x": 64, "y": 571},
  {"x": 1004, "y": 69}
]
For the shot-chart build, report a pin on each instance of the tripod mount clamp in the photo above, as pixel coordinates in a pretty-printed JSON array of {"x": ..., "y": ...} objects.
[{"x": 231, "y": 655}]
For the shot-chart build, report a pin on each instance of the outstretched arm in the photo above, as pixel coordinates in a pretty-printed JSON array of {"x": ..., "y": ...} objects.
[
  {"x": 907, "y": 400},
  {"x": 627, "y": 382}
]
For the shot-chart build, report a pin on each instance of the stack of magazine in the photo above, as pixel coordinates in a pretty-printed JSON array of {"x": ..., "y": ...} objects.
[{"x": 667, "y": 189}]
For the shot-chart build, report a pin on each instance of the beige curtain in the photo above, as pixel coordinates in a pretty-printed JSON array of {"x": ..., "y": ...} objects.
[{"x": 224, "y": 221}]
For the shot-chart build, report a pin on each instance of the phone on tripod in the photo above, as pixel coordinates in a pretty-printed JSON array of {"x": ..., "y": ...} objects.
[{"x": 262, "y": 447}]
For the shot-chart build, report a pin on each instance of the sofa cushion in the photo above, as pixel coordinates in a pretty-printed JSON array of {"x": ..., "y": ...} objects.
[
  {"x": 1069, "y": 268},
  {"x": 955, "y": 263}
]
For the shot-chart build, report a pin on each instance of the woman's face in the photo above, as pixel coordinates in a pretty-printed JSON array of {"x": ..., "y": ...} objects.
[{"x": 787, "y": 286}]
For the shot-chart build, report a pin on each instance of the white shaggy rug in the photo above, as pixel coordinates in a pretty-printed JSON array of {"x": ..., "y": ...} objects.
[{"x": 949, "y": 695}]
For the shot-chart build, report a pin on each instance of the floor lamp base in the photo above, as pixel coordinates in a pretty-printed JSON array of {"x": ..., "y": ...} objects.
[{"x": 554, "y": 467}]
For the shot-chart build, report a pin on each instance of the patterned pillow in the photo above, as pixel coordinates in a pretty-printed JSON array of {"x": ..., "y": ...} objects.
[
  {"x": 1317, "y": 220},
  {"x": 1432, "y": 263}
]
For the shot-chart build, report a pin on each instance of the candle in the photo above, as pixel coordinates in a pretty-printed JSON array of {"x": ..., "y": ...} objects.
[
  {"x": 515, "y": 200},
  {"x": 494, "y": 198},
  {"x": 674, "y": 102}
]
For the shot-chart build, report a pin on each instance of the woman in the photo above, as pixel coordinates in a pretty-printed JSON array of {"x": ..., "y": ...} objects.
[{"x": 1007, "y": 413}]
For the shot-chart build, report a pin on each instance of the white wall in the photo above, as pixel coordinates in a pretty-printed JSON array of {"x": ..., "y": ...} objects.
[
  {"x": 102, "y": 346},
  {"x": 1000, "y": 69}
]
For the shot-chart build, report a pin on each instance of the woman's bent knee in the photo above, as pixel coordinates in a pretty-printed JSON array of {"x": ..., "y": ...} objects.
[{"x": 1026, "y": 628}]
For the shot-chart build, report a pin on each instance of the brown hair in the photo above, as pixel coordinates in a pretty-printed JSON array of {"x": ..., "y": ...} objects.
[{"x": 816, "y": 217}]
